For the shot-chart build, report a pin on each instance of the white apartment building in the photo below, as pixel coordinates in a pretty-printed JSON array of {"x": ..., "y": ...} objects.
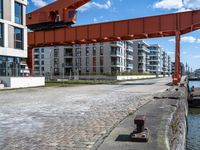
[
  {"x": 159, "y": 61},
  {"x": 155, "y": 59},
  {"x": 141, "y": 56},
  {"x": 165, "y": 63},
  {"x": 13, "y": 37},
  {"x": 98, "y": 58},
  {"x": 169, "y": 65}
]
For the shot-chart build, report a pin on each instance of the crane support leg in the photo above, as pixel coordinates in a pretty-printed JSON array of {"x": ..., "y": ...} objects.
[
  {"x": 30, "y": 61},
  {"x": 177, "y": 72}
]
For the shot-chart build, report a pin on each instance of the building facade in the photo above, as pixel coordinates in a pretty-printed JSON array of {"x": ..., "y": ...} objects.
[
  {"x": 156, "y": 59},
  {"x": 13, "y": 37},
  {"x": 164, "y": 63},
  {"x": 182, "y": 68},
  {"x": 169, "y": 66},
  {"x": 98, "y": 58},
  {"x": 141, "y": 57}
]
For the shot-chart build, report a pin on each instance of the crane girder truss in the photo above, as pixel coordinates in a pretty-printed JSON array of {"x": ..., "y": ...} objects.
[
  {"x": 140, "y": 28},
  {"x": 148, "y": 27}
]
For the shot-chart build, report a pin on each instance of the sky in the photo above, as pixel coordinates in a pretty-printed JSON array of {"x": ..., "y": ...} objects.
[{"x": 108, "y": 10}]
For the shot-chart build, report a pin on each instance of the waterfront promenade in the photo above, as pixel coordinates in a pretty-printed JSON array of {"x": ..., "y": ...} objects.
[{"x": 70, "y": 118}]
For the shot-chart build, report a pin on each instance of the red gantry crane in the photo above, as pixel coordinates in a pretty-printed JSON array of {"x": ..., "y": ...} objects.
[{"x": 51, "y": 25}]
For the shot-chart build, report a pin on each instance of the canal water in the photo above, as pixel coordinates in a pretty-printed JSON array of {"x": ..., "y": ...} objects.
[{"x": 193, "y": 137}]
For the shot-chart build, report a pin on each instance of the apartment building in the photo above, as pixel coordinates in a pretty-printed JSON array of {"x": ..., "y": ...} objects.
[
  {"x": 164, "y": 63},
  {"x": 182, "y": 67},
  {"x": 169, "y": 65},
  {"x": 141, "y": 56},
  {"x": 156, "y": 59},
  {"x": 97, "y": 58},
  {"x": 13, "y": 37}
]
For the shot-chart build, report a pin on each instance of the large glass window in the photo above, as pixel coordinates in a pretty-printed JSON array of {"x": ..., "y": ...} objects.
[
  {"x": 1, "y": 35},
  {"x": 18, "y": 37},
  {"x": 1, "y": 9},
  {"x": 18, "y": 13},
  {"x": 9, "y": 66}
]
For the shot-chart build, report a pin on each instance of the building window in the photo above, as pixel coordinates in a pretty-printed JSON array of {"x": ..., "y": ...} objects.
[
  {"x": 87, "y": 61},
  {"x": 1, "y": 35},
  {"x": 101, "y": 69},
  {"x": 94, "y": 51},
  {"x": 42, "y": 50},
  {"x": 78, "y": 52},
  {"x": 42, "y": 62},
  {"x": 36, "y": 56},
  {"x": 56, "y": 52},
  {"x": 87, "y": 51},
  {"x": 101, "y": 61},
  {"x": 1, "y": 9},
  {"x": 94, "y": 61},
  {"x": 18, "y": 13},
  {"x": 37, "y": 63},
  {"x": 36, "y": 50},
  {"x": 101, "y": 50},
  {"x": 37, "y": 69},
  {"x": 94, "y": 69},
  {"x": 18, "y": 37}
]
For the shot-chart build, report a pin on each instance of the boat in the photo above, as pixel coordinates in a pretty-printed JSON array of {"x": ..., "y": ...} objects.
[{"x": 194, "y": 98}]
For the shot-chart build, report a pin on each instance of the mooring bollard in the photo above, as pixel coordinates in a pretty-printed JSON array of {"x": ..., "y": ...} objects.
[{"x": 141, "y": 133}]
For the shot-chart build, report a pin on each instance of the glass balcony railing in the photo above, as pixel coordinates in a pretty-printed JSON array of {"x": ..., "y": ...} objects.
[
  {"x": 69, "y": 54},
  {"x": 116, "y": 53},
  {"x": 143, "y": 48},
  {"x": 130, "y": 57},
  {"x": 129, "y": 65},
  {"x": 117, "y": 63}
]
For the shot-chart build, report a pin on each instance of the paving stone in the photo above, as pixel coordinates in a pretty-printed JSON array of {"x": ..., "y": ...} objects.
[{"x": 67, "y": 118}]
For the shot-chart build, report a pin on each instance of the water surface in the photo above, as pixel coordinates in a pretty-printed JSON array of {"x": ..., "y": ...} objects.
[{"x": 193, "y": 137}]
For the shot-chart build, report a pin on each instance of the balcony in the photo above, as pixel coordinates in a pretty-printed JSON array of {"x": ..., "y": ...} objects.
[
  {"x": 154, "y": 60},
  {"x": 129, "y": 57},
  {"x": 69, "y": 55},
  {"x": 143, "y": 48},
  {"x": 130, "y": 66},
  {"x": 68, "y": 65},
  {"x": 116, "y": 63},
  {"x": 129, "y": 48},
  {"x": 121, "y": 44},
  {"x": 116, "y": 54}
]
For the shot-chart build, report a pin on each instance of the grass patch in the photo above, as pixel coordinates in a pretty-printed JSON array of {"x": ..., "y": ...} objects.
[{"x": 78, "y": 82}]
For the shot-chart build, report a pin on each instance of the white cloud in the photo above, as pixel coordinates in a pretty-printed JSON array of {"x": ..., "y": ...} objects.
[
  {"x": 196, "y": 56},
  {"x": 192, "y": 4},
  {"x": 95, "y": 20},
  {"x": 39, "y": 3},
  {"x": 187, "y": 39},
  {"x": 178, "y": 5},
  {"x": 169, "y": 4},
  {"x": 87, "y": 6},
  {"x": 170, "y": 52}
]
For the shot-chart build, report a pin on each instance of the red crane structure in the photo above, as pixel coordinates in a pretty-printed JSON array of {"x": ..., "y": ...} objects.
[{"x": 51, "y": 25}]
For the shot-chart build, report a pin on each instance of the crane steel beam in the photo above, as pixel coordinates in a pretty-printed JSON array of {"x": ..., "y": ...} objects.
[
  {"x": 148, "y": 27},
  {"x": 140, "y": 28}
]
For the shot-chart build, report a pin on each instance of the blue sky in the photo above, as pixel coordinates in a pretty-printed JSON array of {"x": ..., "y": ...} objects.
[{"x": 108, "y": 10}]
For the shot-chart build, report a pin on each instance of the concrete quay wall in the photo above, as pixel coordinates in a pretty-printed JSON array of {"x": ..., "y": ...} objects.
[
  {"x": 166, "y": 119},
  {"x": 175, "y": 121}
]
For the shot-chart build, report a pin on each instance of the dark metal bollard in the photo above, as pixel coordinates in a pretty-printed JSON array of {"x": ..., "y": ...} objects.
[
  {"x": 140, "y": 134},
  {"x": 140, "y": 121}
]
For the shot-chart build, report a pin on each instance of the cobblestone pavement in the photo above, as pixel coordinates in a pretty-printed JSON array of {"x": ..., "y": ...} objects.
[{"x": 72, "y": 118}]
